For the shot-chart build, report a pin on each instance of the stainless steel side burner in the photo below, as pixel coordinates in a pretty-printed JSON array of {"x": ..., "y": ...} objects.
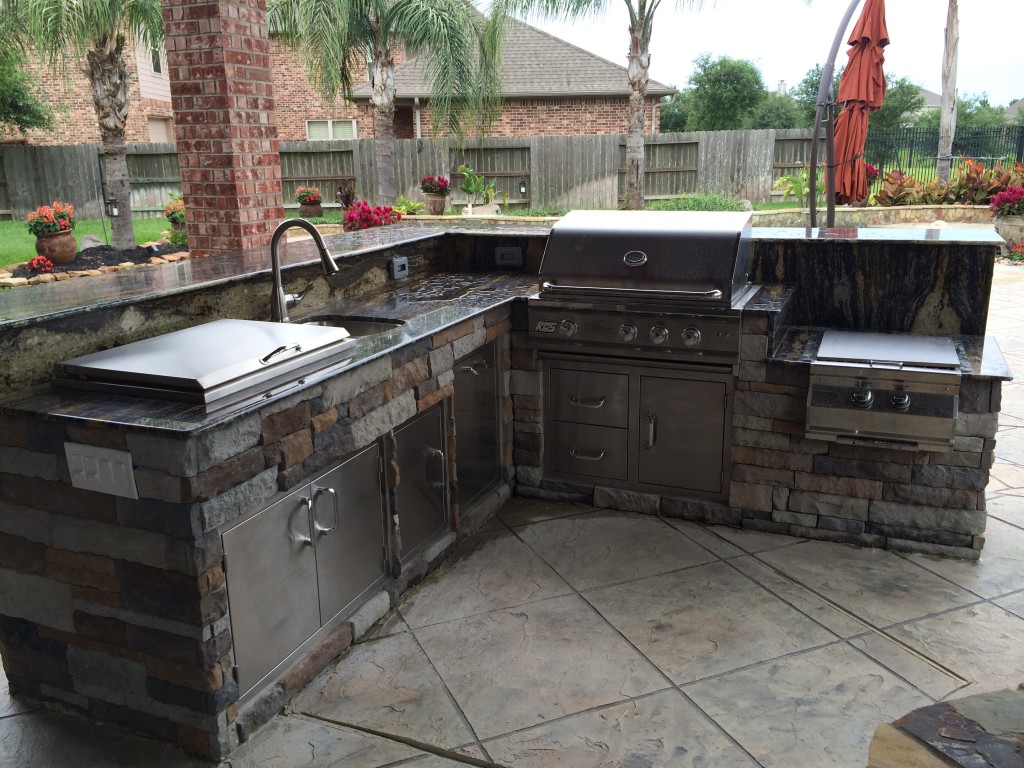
[{"x": 886, "y": 390}]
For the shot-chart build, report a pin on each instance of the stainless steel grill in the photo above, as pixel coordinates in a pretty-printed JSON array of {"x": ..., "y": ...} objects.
[
  {"x": 644, "y": 283},
  {"x": 887, "y": 390},
  {"x": 639, "y": 320}
]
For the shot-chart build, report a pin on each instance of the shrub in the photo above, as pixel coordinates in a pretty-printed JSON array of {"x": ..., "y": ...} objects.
[
  {"x": 408, "y": 207},
  {"x": 46, "y": 219},
  {"x": 308, "y": 195},
  {"x": 435, "y": 185},
  {"x": 175, "y": 210},
  {"x": 361, "y": 216},
  {"x": 898, "y": 188},
  {"x": 1009, "y": 202},
  {"x": 696, "y": 202}
]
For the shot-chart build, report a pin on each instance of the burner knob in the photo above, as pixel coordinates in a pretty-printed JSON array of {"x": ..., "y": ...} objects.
[
  {"x": 691, "y": 337},
  {"x": 900, "y": 401},
  {"x": 659, "y": 334},
  {"x": 627, "y": 332},
  {"x": 567, "y": 328},
  {"x": 862, "y": 398}
]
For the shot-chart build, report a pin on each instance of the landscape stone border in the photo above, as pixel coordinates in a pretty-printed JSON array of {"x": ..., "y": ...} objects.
[{"x": 8, "y": 280}]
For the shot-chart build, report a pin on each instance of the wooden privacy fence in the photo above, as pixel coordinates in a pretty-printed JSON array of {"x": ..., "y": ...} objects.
[{"x": 551, "y": 172}]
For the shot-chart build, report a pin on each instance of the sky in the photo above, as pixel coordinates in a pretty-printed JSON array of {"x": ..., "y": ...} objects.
[{"x": 786, "y": 38}]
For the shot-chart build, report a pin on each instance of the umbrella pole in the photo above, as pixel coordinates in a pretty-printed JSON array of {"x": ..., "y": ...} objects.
[
  {"x": 824, "y": 109},
  {"x": 830, "y": 167}
]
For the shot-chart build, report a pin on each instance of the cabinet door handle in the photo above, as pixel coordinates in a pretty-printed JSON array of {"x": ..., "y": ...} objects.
[
  {"x": 435, "y": 475},
  {"x": 305, "y": 539},
  {"x": 318, "y": 529},
  {"x": 586, "y": 403},
  {"x": 585, "y": 456},
  {"x": 472, "y": 367},
  {"x": 651, "y": 421}
]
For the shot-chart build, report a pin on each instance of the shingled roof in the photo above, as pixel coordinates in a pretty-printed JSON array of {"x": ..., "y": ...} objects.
[{"x": 534, "y": 65}]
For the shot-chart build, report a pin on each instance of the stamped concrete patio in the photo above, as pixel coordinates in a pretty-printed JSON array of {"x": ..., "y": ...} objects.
[{"x": 569, "y": 636}]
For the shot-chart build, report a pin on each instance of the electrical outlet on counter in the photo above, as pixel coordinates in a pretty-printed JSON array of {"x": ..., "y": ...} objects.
[
  {"x": 399, "y": 267},
  {"x": 508, "y": 257}
]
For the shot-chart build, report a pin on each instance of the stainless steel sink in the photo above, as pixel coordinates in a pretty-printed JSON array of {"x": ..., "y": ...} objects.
[{"x": 354, "y": 325}]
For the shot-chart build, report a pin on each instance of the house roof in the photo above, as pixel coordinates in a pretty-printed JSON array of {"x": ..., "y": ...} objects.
[
  {"x": 931, "y": 98},
  {"x": 1013, "y": 110},
  {"x": 534, "y": 64}
]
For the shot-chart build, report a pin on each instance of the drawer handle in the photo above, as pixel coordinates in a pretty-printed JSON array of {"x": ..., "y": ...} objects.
[
  {"x": 585, "y": 456},
  {"x": 586, "y": 403},
  {"x": 472, "y": 367}
]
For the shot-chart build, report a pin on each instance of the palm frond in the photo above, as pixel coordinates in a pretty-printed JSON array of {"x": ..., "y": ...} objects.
[{"x": 320, "y": 31}]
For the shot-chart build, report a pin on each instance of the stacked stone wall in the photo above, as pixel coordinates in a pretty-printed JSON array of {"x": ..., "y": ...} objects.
[{"x": 117, "y": 608}]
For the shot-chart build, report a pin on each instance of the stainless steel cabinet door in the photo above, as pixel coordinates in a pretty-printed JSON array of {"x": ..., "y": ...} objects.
[
  {"x": 422, "y": 489},
  {"x": 477, "y": 438},
  {"x": 348, "y": 527},
  {"x": 682, "y": 433},
  {"x": 272, "y": 586}
]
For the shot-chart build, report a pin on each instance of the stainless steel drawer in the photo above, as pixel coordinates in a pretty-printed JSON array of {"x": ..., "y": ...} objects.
[
  {"x": 589, "y": 397},
  {"x": 582, "y": 449}
]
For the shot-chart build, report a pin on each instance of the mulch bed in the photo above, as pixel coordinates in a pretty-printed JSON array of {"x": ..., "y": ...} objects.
[{"x": 103, "y": 257}]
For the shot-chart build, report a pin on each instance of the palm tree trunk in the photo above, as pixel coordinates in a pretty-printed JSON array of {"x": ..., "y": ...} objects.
[
  {"x": 639, "y": 63},
  {"x": 382, "y": 80},
  {"x": 947, "y": 108},
  {"x": 108, "y": 78}
]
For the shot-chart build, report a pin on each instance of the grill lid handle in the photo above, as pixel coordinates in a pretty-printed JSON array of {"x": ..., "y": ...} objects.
[{"x": 548, "y": 287}]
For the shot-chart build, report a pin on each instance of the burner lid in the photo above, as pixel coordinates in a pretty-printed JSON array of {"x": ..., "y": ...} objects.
[{"x": 888, "y": 349}]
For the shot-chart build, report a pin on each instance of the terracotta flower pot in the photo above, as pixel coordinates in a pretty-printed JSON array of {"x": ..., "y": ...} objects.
[
  {"x": 58, "y": 247},
  {"x": 436, "y": 203},
  {"x": 307, "y": 210}
]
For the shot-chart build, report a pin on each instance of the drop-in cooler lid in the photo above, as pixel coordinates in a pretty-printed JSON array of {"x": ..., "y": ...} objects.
[
  {"x": 221, "y": 362},
  {"x": 888, "y": 350}
]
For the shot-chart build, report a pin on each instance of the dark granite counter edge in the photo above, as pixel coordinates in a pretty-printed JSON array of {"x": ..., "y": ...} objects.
[
  {"x": 980, "y": 356},
  {"x": 420, "y": 319}
]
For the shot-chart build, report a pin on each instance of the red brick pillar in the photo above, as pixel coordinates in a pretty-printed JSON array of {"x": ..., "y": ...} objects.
[{"x": 218, "y": 56}]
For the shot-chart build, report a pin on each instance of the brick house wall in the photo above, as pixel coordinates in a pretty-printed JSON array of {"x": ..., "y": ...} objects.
[
  {"x": 296, "y": 102},
  {"x": 75, "y": 120}
]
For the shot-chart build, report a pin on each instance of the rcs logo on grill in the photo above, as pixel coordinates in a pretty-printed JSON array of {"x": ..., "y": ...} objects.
[{"x": 545, "y": 326}]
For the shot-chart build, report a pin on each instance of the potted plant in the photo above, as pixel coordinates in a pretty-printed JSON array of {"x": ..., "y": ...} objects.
[
  {"x": 309, "y": 201},
  {"x": 1008, "y": 208},
  {"x": 52, "y": 225},
  {"x": 436, "y": 190},
  {"x": 474, "y": 185},
  {"x": 174, "y": 211}
]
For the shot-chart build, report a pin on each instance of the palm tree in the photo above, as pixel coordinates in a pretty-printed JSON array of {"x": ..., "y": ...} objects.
[
  {"x": 93, "y": 34},
  {"x": 641, "y": 23},
  {"x": 947, "y": 108},
  {"x": 336, "y": 37}
]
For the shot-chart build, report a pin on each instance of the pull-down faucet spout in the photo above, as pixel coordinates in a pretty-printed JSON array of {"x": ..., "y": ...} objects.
[{"x": 280, "y": 302}]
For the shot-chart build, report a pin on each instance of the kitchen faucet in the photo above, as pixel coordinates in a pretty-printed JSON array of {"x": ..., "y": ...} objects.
[{"x": 280, "y": 302}]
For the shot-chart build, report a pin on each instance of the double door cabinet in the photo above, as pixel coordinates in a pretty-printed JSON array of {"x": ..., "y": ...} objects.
[
  {"x": 311, "y": 558},
  {"x": 644, "y": 426}
]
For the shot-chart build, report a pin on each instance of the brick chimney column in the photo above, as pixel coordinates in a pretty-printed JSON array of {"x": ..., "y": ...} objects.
[{"x": 218, "y": 57}]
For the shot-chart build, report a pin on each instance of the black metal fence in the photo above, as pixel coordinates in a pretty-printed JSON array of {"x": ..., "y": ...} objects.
[{"x": 914, "y": 150}]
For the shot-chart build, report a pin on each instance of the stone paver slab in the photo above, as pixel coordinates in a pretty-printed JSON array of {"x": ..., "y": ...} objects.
[
  {"x": 663, "y": 730},
  {"x": 704, "y": 621},
  {"x": 518, "y": 667}
]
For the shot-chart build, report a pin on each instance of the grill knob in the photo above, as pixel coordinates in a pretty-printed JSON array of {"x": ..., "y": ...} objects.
[
  {"x": 627, "y": 332},
  {"x": 691, "y": 337},
  {"x": 862, "y": 398},
  {"x": 659, "y": 334},
  {"x": 567, "y": 328},
  {"x": 900, "y": 401}
]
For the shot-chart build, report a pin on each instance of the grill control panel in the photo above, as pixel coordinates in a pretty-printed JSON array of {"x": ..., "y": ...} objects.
[{"x": 682, "y": 336}]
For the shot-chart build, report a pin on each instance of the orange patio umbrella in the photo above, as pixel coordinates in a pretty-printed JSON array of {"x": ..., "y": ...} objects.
[{"x": 861, "y": 89}]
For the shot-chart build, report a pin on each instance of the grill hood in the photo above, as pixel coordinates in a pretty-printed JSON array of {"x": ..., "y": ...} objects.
[{"x": 662, "y": 254}]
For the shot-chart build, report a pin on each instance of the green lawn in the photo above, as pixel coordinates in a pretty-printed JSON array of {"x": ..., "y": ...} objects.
[{"x": 17, "y": 245}]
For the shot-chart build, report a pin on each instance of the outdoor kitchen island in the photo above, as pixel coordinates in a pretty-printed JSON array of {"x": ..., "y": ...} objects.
[{"x": 120, "y": 608}]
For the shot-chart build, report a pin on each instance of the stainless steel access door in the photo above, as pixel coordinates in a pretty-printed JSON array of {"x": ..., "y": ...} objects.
[
  {"x": 422, "y": 498},
  {"x": 682, "y": 433},
  {"x": 348, "y": 527},
  {"x": 272, "y": 586},
  {"x": 477, "y": 434}
]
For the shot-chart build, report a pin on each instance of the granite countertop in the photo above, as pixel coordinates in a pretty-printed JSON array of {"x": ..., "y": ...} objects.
[
  {"x": 980, "y": 356},
  {"x": 27, "y": 305},
  {"x": 425, "y": 306}
]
